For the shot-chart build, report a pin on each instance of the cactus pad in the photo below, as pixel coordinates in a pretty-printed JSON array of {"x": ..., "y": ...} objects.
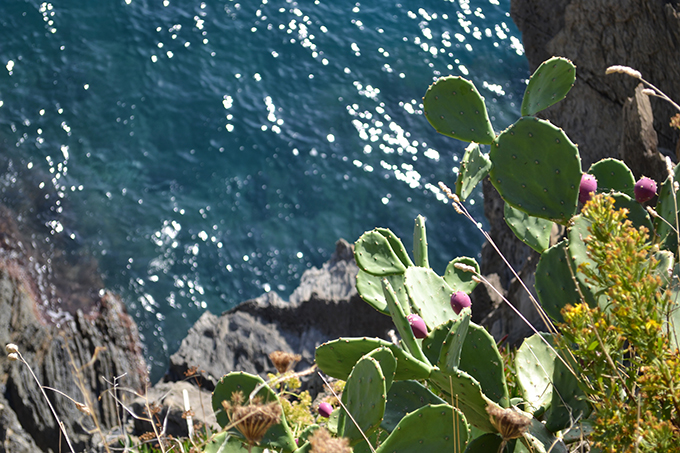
[
  {"x": 430, "y": 296},
  {"x": 401, "y": 322},
  {"x": 569, "y": 403},
  {"x": 454, "y": 107},
  {"x": 533, "y": 231},
  {"x": 548, "y": 85},
  {"x": 460, "y": 280},
  {"x": 537, "y": 169},
  {"x": 636, "y": 213},
  {"x": 430, "y": 428},
  {"x": 364, "y": 398},
  {"x": 420, "y": 243},
  {"x": 554, "y": 285},
  {"x": 537, "y": 438},
  {"x": 397, "y": 246},
  {"x": 336, "y": 358},
  {"x": 665, "y": 207},
  {"x": 279, "y": 436},
  {"x": 370, "y": 289},
  {"x": 612, "y": 174},
  {"x": 405, "y": 397},
  {"x": 481, "y": 359},
  {"x": 452, "y": 347},
  {"x": 388, "y": 364},
  {"x": 534, "y": 365},
  {"x": 489, "y": 443},
  {"x": 578, "y": 250},
  {"x": 374, "y": 254},
  {"x": 473, "y": 168}
]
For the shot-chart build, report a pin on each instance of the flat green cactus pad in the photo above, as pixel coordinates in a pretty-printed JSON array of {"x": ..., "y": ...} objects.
[
  {"x": 569, "y": 402},
  {"x": 278, "y": 436},
  {"x": 554, "y": 285},
  {"x": 401, "y": 322},
  {"x": 364, "y": 398},
  {"x": 489, "y": 443},
  {"x": 430, "y": 296},
  {"x": 388, "y": 364},
  {"x": 454, "y": 107},
  {"x": 539, "y": 439},
  {"x": 420, "y": 243},
  {"x": 578, "y": 250},
  {"x": 374, "y": 254},
  {"x": 224, "y": 443},
  {"x": 451, "y": 348},
  {"x": 473, "y": 168},
  {"x": 548, "y": 85},
  {"x": 637, "y": 214},
  {"x": 533, "y": 231},
  {"x": 337, "y": 358},
  {"x": 481, "y": 359},
  {"x": 405, "y": 397},
  {"x": 665, "y": 207},
  {"x": 460, "y": 280},
  {"x": 534, "y": 365},
  {"x": 431, "y": 428},
  {"x": 537, "y": 169},
  {"x": 612, "y": 174},
  {"x": 370, "y": 289}
]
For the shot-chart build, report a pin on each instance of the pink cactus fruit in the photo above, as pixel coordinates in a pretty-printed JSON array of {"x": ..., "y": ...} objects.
[
  {"x": 325, "y": 410},
  {"x": 417, "y": 326},
  {"x": 460, "y": 300},
  {"x": 645, "y": 189},
  {"x": 587, "y": 188}
]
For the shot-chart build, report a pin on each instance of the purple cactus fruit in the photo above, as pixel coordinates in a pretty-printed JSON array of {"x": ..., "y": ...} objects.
[
  {"x": 645, "y": 189},
  {"x": 325, "y": 410},
  {"x": 417, "y": 326},
  {"x": 460, "y": 300},
  {"x": 587, "y": 188}
]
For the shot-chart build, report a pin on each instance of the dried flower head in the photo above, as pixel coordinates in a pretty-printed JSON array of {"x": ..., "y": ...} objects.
[
  {"x": 11, "y": 348},
  {"x": 83, "y": 408},
  {"x": 322, "y": 442},
  {"x": 284, "y": 361},
  {"x": 510, "y": 423},
  {"x": 252, "y": 420},
  {"x": 624, "y": 70},
  {"x": 648, "y": 92},
  {"x": 12, "y": 356},
  {"x": 675, "y": 121},
  {"x": 465, "y": 267}
]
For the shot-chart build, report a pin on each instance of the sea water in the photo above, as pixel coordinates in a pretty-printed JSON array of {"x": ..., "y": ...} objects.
[{"x": 206, "y": 152}]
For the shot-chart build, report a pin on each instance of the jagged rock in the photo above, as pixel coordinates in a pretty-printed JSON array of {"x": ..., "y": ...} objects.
[
  {"x": 325, "y": 306},
  {"x": 71, "y": 352}
]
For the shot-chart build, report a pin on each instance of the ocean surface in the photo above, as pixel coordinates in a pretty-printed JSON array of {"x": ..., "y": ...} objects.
[{"x": 205, "y": 152}]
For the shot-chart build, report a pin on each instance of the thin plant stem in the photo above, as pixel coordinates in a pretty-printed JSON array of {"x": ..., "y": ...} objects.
[{"x": 54, "y": 413}]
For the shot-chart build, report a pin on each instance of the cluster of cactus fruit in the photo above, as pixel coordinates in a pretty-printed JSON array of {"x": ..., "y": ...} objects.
[{"x": 443, "y": 386}]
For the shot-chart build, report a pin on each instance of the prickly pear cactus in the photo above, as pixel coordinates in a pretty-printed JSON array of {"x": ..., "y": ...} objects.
[
  {"x": 613, "y": 175},
  {"x": 537, "y": 169},
  {"x": 458, "y": 279},
  {"x": 388, "y": 364},
  {"x": 454, "y": 107},
  {"x": 337, "y": 358},
  {"x": 430, "y": 296},
  {"x": 279, "y": 436},
  {"x": 403, "y": 398},
  {"x": 473, "y": 168},
  {"x": 548, "y": 85},
  {"x": 444, "y": 344},
  {"x": 554, "y": 284},
  {"x": 533, "y": 231},
  {"x": 402, "y": 323},
  {"x": 364, "y": 398},
  {"x": 370, "y": 289},
  {"x": 568, "y": 402},
  {"x": 430, "y": 428},
  {"x": 374, "y": 254},
  {"x": 420, "y": 243},
  {"x": 534, "y": 366}
]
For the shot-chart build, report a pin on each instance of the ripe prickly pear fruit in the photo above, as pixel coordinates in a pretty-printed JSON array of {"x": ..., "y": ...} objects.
[
  {"x": 587, "y": 188},
  {"x": 460, "y": 300},
  {"x": 325, "y": 410},
  {"x": 417, "y": 325},
  {"x": 645, "y": 189}
]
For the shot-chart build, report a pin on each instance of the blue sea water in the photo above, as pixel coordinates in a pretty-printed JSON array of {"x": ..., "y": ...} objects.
[{"x": 208, "y": 151}]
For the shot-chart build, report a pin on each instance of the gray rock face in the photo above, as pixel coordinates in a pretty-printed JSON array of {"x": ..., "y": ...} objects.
[
  {"x": 74, "y": 353},
  {"x": 325, "y": 306}
]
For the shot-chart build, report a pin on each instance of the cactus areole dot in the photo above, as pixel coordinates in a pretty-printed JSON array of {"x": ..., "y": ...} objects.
[
  {"x": 645, "y": 189},
  {"x": 417, "y": 326},
  {"x": 460, "y": 300},
  {"x": 325, "y": 410},
  {"x": 587, "y": 188}
]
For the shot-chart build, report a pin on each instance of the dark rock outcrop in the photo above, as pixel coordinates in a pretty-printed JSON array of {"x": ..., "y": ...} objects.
[
  {"x": 79, "y": 352},
  {"x": 325, "y": 306}
]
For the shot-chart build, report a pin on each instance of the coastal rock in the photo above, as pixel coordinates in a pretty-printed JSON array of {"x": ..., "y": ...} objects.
[
  {"x": 80, "y": 353},
  {"x": 325, "y": 306}
]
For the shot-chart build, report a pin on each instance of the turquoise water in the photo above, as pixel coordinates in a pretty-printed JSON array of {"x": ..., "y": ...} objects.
[{"x": 208, "y": 151}]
